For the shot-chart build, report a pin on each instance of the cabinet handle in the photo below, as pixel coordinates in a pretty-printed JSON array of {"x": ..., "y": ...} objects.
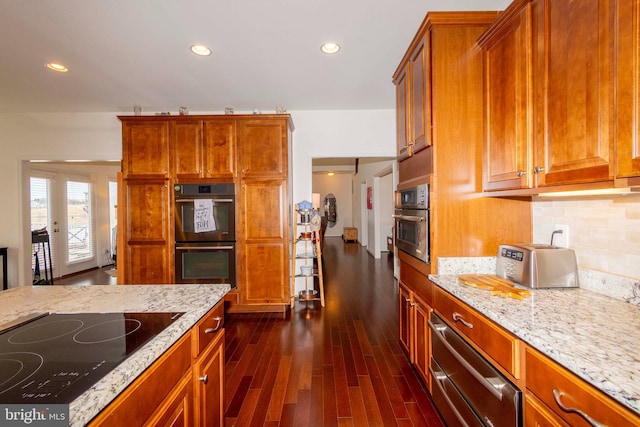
[
  {"x": 538, "y": 169},
  {"x": 212, "y": 330},
  {"x": 410, "y": 149},
  {"x": 457, "y": 317},
  {"x": 204, "y": 379},
  {"x": 557, "y": 395},
  {"x": 521, "y": 173}
]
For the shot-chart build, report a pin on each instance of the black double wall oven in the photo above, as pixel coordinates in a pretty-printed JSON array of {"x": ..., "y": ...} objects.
[{"x": 205, "y": 233}]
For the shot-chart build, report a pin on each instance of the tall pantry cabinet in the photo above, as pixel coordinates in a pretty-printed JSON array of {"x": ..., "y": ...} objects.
[{"x": 250, "y": 151}]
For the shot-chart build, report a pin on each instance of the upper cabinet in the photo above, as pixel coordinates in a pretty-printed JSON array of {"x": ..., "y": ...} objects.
[
  {"x": 549, "y": 95},
  {"x": 412, "y": 94},
  {"x": 203, "y": 148},
  {"x": 628, "y": 91},
  {"x": 145, "y": 149},
  {"x": 262, "y": 148}
]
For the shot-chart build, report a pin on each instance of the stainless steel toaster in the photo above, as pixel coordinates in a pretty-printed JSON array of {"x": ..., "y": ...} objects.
[{"x": 538, "y": 265}]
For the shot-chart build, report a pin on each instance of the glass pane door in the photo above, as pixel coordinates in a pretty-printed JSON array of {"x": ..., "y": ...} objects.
[
  {"x": 42, "y": 217},
  {"x": 80, "y": 239}
]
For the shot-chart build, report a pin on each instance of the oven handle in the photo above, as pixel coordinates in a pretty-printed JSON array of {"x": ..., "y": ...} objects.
[
  {"x": 204, "y": 198},
  {"x": 493, "y": 384},
  {"x": 204, "y": 247},
  {"x": 410, "y": 218},
  {"x": 440, "y": 377}
]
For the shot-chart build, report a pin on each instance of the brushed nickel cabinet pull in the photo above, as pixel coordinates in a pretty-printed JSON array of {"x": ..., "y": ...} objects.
[
  {"x": 538, "y": 169},
  {"x": 457, "y": 317},
  {"x": 212, "y": 330},
  {"x": 521, "y": 173},
  {"x": 557, "y": 395},
  {"x": 204, "y": 379}
]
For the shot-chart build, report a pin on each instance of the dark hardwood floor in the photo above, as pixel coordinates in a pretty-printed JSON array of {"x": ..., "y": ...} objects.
[{"x": 340, "y": 365}]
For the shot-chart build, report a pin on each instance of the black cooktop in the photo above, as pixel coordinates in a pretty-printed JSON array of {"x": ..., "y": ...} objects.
[{"x": 57, "y": 357}]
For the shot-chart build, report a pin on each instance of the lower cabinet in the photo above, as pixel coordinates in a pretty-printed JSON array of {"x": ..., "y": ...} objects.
[
  {"x": 566, "y": 399},
  {"x": 414, "y": 329},
  {"x": 184, "y": 387},
  {"x": 208, "y": 373}
]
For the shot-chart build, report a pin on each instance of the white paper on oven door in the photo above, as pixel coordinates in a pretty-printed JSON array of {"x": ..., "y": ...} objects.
[{"x": 203, "y": 215}]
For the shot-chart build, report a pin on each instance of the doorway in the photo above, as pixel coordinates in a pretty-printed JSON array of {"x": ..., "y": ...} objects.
[{"x": 76, "y": 204}]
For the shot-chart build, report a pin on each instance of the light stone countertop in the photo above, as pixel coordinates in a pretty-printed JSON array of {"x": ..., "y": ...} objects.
[
  {"x": 194, "y": 300},
  {"x": 592, "y": 335}
]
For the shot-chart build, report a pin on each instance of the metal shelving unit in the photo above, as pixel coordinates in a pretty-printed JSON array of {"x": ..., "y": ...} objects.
[{"x": 307, "y": 259}]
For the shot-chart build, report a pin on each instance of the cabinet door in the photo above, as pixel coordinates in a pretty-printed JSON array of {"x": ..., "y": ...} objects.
[
  {"x": 628, "y": 89},
  {"x": 262, "y": 148},
  {"x": 145, "y": 149},
  {"x": 177, "y": 408},
  {"x": 572, "y": 69},
  {"x": 402, "y": 113},
  {"x": 148, "y": 257},
  {"x": 265, "y": 255},
  {"x": 186, "y": 148},
  {"x": 209, "y": 385},
  {"x": 422, "y": 346},
  {"x": 220, "y": 148},
  {"x": 405, "y": 302},
  {"x": 536, "y": 414},
  {"x": 419, "y": 95},
  {"x": 508, "y": 102}
]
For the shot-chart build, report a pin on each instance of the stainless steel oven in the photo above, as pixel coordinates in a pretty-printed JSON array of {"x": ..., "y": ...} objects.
[
  {"x": 220, "y": 196},
  {"x": 467, "y": 390},
  {"x": 412, "y": 221},
  {"x": 208, "y": 262}
]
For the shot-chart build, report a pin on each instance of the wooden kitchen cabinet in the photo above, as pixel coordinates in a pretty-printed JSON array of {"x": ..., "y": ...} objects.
[
  {"x": 627, "y": 92},
  {"x": 415, "y": 309},
  {"x": 412, "y": 94},
  {"x": 208, "y": 374},
  {"x": 508, "y": 131},
  {"x": 548, "y": 95},
  {"x": 570, "y": 398},
  {"x": 145, "y": 228},
  {"x": 203, "y": 148},
  {"x": 263, "y": 148},
  {"x": 145, "y": 148},
  {"x": 263, "y": 276},
  {"x": 177, "y": 408}
]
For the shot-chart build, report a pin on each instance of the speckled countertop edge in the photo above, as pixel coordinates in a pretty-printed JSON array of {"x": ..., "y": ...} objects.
[
  {"x": 194, "y": 300},
  {"x": 594, "y": 336}
]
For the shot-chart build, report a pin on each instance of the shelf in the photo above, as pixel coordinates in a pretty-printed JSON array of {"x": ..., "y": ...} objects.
[{"x": 304, "y": 249}]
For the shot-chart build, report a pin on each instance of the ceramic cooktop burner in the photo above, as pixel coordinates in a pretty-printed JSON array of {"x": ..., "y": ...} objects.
[{"x": 55, "y": 358}]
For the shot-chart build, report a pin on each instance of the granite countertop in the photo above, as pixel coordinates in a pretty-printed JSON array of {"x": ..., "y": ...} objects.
[
  {"x": 194, "y": 300},
  {"x": 592, "y": 335}
]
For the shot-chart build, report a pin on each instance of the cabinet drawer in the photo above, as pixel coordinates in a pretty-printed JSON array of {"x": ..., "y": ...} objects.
[
  {"x": 208, "y": 328},
  {"x": 556, "y": 386},
  {"x": 495, "y": 342}
]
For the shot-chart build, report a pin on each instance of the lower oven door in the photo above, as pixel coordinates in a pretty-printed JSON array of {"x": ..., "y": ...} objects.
[
  {"x": 494, "y": 399},
  {"x": 206, "y": 263},
  {"x": 412, "y": 232}
]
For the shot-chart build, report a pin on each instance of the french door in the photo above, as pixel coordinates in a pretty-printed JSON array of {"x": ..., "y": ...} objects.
[{"x": 63, "y": 204}]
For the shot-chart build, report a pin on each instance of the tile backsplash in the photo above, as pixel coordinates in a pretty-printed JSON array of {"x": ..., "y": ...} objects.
[{"x": 603, "y": 232}]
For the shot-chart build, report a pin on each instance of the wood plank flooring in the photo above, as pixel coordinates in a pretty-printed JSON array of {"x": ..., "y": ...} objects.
[{"x": 340, "y": 365}]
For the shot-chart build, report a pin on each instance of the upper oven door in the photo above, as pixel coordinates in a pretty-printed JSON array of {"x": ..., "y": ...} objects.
[
  {"x": 224, "y": 220},
  {"x": 412, "y": 232}
]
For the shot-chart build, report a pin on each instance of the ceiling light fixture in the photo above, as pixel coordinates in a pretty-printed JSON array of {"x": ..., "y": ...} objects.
[
  {"x": 330, "y": 47},
  {"x": 57, "y": 67},
  {"x": 200, "y": 50}
]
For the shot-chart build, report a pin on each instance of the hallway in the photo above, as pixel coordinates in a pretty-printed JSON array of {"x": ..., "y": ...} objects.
[{"x": 338, "y": 365}]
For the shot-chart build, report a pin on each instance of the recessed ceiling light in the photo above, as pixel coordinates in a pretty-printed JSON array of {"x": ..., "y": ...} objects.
[
  {"x": 57, "y": 67},
  {"x": 330, "y": 47},
  {"x": 200, "y": 49}
]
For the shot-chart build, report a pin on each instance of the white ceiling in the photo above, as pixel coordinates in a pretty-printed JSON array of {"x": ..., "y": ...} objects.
[{"x": 265, "y": 53}]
